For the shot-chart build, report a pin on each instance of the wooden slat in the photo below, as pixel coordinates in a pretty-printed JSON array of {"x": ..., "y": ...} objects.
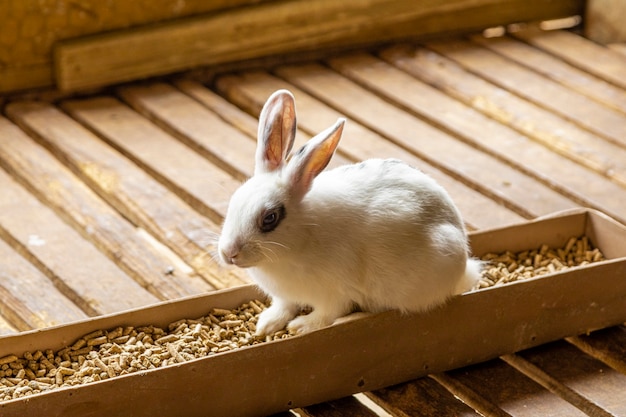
[
  {"x": 469, "y": 396},
  {"x": 552, "y": 131},
  {"x": 552, "y": 384},
  {"x": 6, "y": 328},
  {"x": 510, "y": 390},
  {"x": 192, "y": 123},
  {"x": 140, "y": 198},
  {"x": 423, "y": 397},
  {"x": 229, "y": 112},
  {"x": 526, "y": 83},
  {"x": 43, "y": 175},
  {"x": 595, "y": 381},
  {"x": 297, "y": 25},
  {"x": 198, "y": 182},
  {"x": 28, "y": 299},
  {"x": 203, "y": 130},
  {"x": 97, "y": 286},
  {"x": 501, "y": 182},
  {"x": 246, "y": 122},
  {"x": 359, "y": 143},
  {"x": 556, "y": 69},
  {"x": 484, "y": 133},
  {"x": 620, "y": 48},
  {"x": 580, "y": 52},
  {"x": 246, "y": 119},
  {"x": 607, "y": 345}
]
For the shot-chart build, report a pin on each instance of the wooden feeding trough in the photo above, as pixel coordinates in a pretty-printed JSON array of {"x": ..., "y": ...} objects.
[
  {"x": 364, "y": 352},
  {"x": 111, "y": 194}
]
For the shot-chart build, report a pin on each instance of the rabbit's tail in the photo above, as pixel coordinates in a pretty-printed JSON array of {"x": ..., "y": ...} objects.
[{"x": 471, "y": 276}]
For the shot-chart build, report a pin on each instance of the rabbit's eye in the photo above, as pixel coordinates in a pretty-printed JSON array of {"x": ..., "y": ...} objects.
[{"x": 271, "y": 218}]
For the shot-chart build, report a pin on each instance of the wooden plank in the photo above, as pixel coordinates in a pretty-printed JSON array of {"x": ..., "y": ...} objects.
[
  {"x": 552, "y": 131},
  {"x": 500, "y": 182},
  {"x": 190, "y": 122},
  {"x": 6, "y": 328},
  {"x": 229, "y": 112},
  {"x": 53, "y": 184},
  {"x": 556, "y": 69},
  {"x": 347, "y": 406},
  {"x": 469, "y": 396},
  {"x": 514, "y": 393},
  {"x": 143, "y": 200},
  {"x": 13, "y": 79},
  {"x": 552, "y": 384},
  {"x": 246, "y": 119},
  {"x": 423, "y": 397},
  {"x": 88, "y": 278},
  {"x": 607, "y": 345},
  {"x": 193, "y": 178},
  {"x": 620, "y": 48},
  {"x": 580, "y": 52},
  {"x": 526, "y": 83},
  {"x": 297, "y": 25},
  {"x": 204, "y": 131},
  {"x": 595, "y": 381},
  {"x": 28, "y": 299},
  {"x": 481, "y": 132},
  {"x": 358, "y": 143}
]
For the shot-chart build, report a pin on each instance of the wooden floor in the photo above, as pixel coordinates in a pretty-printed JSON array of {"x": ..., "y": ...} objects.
[{"x": 111, "y": 201}]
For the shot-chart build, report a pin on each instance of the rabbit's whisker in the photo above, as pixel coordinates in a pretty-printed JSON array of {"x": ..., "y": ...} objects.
[
  {"x": 269, "y": 254},
  {"x": 277, "y": 244},
  {"x": 215, "y": 257},
  {"x": 212, "y": 255},
  {"x": 310, "y": 224}
]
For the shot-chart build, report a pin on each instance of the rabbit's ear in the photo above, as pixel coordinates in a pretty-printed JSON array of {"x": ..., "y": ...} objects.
[
  {"x": 277, "y": 131},
  {"x": 311, "y": 159}
]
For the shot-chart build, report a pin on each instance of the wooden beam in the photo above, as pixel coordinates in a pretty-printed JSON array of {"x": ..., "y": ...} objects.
[
  {"x": 23, "y": 78},
  {"x": 279, "y": 27}
]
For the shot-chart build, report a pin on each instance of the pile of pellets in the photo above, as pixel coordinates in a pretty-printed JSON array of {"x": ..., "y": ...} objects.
[
  {"x": 502, "y": 268},
  {"x": 106, "y": 354}
]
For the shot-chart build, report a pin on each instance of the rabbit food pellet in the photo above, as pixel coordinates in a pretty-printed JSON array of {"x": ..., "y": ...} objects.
[
  {"x": 508, "y": 267},
  {"x": 105, "y": 354}
]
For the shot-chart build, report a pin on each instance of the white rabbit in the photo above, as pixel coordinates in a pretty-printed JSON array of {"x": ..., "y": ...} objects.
[{"x": 376, "y": 235}]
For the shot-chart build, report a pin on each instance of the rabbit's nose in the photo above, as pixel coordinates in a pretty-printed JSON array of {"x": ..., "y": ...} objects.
[{"x": 229, "y": 255}]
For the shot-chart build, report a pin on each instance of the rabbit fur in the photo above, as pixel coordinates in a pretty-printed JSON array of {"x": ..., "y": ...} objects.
[{"x": 375, "y": 235}]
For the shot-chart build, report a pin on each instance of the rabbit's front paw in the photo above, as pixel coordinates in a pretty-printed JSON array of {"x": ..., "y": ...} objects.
[
  {"x": 308, "y": 323},
  {"x": 274, "y": 319}
]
